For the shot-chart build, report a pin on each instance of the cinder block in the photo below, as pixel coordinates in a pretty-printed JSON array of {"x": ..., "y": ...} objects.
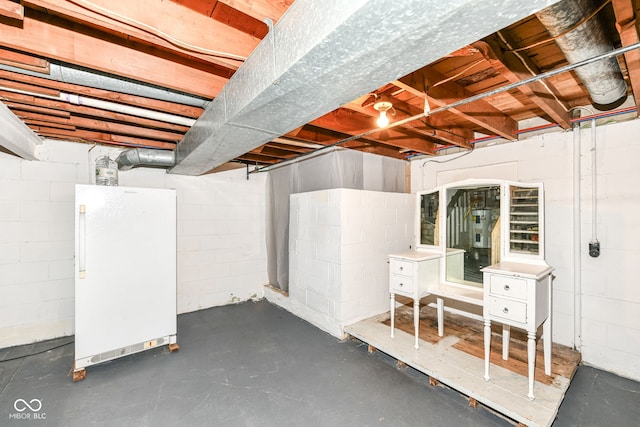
[
  {"x": 49, "y": 171},
  {"x": 61, "y": 269},
  {"x": 9, "y": 210},
  {"x": 9, "y": 167},
  {"x": 36, "y": 190},
  {"x": 10, "y": 189},
  {"x": 46, "y": 251},
  {"x": 23, "y": 231},
  {"x": 23, "y": 272},
  {"x": 9, "y": 253},
  {"x": 62, "y": 191},
  {"x": 317, "y": 302}
]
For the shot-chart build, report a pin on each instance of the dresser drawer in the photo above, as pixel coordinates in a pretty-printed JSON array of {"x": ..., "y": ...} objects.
[
  {"x": 401, "y": 284},
  {"x": 507, "y": 309},
  {"x": 508, "y": 286},
  {"x": 404, "y": 268}
]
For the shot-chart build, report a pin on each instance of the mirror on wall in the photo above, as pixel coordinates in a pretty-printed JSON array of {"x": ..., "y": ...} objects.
[
  {"x": 429, "y": 218},
  {"x": 472, "y": 232}
]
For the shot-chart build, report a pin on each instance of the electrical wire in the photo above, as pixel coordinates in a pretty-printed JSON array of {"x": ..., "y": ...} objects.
[
  {"x": 573, "y": 27},
  {"x": 473, "y": 147},
  {"x": 37, "y": 352},
  {"x": 92, "y": 7}
]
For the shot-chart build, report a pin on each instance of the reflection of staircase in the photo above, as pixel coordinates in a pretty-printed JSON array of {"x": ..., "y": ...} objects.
[{"x": 456, "y": 219}]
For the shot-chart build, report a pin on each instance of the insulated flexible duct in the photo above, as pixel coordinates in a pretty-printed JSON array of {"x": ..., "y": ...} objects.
[
  {"x": 145, "y": 157},
  {"x": 603, "y": 79}
]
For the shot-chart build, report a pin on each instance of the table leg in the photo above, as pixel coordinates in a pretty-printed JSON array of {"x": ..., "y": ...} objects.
[
  {"x": 416, "y": 318},
  {"x": 546, "y": 332},
  {"x": 506, "y": 335},
  {"x": 487, "y": 347},
  {"x": 531, "y": 359},
  {"x": 392, "y": 299},
  {"x": 440, "y": 303}
]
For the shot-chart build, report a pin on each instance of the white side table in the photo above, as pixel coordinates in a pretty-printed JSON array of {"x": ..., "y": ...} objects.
[
  {"x": 518, "y": 294},
  {"x": 410, "y": 273}
]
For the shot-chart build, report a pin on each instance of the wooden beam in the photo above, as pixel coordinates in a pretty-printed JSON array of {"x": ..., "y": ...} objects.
[
  {"x": 627, "y": 27},
  {"x": 52, "y": 37},
  {"x": 11, "y": 10},
  {"x": 103, "y": 138},
  {"x": 44, "y": 110},
  {"x": 479, "y": 112},
  {"x": 260, "y": 10},
  {"x": 419, "y": 128},
  {"x": 124, "y": 129},
  {"x": 352, "y": 123},
  {"x": 187, "y": 32},
  {"x": 26, "y": 62},
  {"x": 516, "y": 67}
]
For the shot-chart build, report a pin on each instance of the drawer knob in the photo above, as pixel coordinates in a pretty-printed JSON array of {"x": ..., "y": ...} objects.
[
  {"x": 401, "y": 284},
  {"x": 507, "y": 287},
  {"x": 505, "y": 310},
  {"x": 400, "y": 268}
]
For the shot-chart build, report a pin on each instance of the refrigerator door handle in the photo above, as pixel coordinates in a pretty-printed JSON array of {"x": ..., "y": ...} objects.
[{"x": 82, "y": 243}]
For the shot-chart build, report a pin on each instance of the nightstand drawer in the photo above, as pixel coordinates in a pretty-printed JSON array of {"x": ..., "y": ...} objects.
[
  {"x": 511, "y": 310},
  {"x": 397, "y": 266},
  {"x": 508, "y": 286},
  {"x": 401, "y": 284}
]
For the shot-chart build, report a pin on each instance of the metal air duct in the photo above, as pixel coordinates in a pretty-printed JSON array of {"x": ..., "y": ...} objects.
[
  {"x": 603, "y": 79},
  {"x": 145, "y": 157}
]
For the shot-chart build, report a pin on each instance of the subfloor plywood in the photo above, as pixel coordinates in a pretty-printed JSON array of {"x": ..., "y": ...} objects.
[{"x": 457, "y": 360}]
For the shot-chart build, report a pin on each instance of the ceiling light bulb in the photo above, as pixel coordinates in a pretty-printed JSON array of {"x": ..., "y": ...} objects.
[{"x": 383, "y": 120}]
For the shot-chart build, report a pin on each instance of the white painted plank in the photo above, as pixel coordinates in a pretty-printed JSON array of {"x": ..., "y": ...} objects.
[
  {"x": 16, "y": 136},
  {"x": 505, "y": 393}
]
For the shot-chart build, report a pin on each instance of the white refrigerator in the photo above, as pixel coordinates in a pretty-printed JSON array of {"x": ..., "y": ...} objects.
[{"x": 125, "y": 272}]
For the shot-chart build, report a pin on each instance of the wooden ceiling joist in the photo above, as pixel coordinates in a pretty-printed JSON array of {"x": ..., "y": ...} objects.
[
  {"x": 43, "y": 110},
  {"x": 188, "y": 33},
  {"x": 26, "y": 62},
  {"x": 479, "y": 112},
  {"x": 104, "y": 138},
  {"x": 627, "y": 27},
  {"x": 517, "y": 67},
  {"x": 348, "y": 122},
  {"x": 52, "y": 37},
  {"x": 11, "y": 10}
]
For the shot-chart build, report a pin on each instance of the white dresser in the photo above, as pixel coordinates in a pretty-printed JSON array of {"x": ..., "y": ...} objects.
[
  {"x": 410, "y": 274},
  {"x": 518, "y": 294}
]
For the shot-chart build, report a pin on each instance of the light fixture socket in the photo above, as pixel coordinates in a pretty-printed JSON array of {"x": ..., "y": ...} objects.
[{"x": 382, "y": 106}]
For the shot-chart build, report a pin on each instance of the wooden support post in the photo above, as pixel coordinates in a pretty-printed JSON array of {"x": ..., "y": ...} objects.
[
  {"x": 79, "y": 375},
  {"x": 473, "y": 403}
]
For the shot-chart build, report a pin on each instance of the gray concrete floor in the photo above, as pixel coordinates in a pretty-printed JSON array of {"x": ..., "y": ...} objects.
[{"x": 254, "y": 364}]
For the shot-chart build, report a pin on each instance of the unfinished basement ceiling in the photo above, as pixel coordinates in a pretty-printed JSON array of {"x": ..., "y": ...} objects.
[{"x": 110, "y": 72}]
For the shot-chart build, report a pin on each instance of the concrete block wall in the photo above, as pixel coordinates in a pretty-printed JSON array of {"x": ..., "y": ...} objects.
[
  {"x": 598, "y": 314},
  {"x": 221, "y": 255},
  {"x": 339, "y": 242}
]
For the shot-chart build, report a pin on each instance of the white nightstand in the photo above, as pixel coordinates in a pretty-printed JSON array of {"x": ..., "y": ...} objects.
[
  {"x": 410, "y": 274},
  {"x": 518, "y": 294}
]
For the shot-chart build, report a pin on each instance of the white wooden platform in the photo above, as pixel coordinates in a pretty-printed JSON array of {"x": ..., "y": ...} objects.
[{"x": 505, "y": 393}]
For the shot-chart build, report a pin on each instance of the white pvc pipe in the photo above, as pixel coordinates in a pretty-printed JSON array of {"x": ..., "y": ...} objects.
[
  {"x": 577, "y": 241},
  {"x": 110, "y": 106},
  {"x": 594, "y": 179},
  {"x": 126, "y": 109}
]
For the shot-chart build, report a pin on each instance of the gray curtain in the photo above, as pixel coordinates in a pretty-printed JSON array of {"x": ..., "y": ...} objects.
[{"x": 335, "y": 168}]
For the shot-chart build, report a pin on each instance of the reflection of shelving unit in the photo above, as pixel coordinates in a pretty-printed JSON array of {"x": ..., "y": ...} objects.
[{"x": 524, "y": 220}]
